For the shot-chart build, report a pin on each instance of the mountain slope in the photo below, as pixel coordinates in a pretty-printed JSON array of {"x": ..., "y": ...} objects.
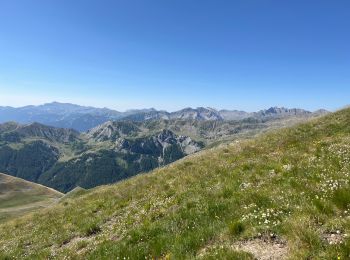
[
  {"x": 12, "y": 132},
  {"x": 18, "y": 197},
  {"x": 284, "y": 194},
  {"x": 63, "y": 158},
  {"x": 118, "y": 160}
]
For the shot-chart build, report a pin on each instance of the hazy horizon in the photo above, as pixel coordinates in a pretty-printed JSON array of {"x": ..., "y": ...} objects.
[
  {"x": 125, "y": 110},
  {"x": 245, "y": 55}
]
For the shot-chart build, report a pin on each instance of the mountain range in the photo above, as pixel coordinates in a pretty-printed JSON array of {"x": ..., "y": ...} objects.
[
  {"x": 83, "y": 118},
  {"x": 64, "y": 158}
]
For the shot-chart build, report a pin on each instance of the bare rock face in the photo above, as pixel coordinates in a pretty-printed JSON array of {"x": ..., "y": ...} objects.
[
  {"x": 113, "y": 130},
  {"x": 165, "y": 145},
  {"x": 129, "y": 137}
]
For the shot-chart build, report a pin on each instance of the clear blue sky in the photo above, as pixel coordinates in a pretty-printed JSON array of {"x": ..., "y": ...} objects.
[{"x": 235, "y": 54}]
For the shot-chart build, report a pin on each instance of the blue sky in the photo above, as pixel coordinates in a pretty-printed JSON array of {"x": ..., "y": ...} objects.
[{"x": 235, "y": 54}]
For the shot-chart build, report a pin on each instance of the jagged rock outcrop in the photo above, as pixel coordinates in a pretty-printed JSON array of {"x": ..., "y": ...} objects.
[
  {"x": 166, "y": 146},
  {"x": 112, "y": 130}
]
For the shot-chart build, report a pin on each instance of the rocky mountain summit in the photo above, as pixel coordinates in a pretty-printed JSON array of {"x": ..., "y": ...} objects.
[
  {"x": 82, "y": 118},
  {"x": 272, "y": 112},
  {"x": 280, "y": 112},
  {"x": 199, "y": 113}
]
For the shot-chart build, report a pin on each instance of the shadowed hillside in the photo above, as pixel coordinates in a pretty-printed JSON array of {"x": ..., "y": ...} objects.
[{"x": 285, "y": 194}]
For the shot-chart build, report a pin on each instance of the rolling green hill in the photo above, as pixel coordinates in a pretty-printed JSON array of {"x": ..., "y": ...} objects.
[
  {"x": 18, "y": 197},
  {"x": 282, "y": 195}
]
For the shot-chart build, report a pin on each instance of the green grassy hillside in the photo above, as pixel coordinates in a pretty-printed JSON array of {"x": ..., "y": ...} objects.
[
  {"x": 283, "y": 195},
  {"x": 18, "y": 197}
]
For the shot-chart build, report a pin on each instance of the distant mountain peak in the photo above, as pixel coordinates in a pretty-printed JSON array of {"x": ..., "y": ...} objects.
[
  {"x": 83, "y": 118},
  {"x": 282, "y": 111},
  {"x": 199, "y": 113}
]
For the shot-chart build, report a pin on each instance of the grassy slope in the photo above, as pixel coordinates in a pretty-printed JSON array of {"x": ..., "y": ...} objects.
[
  {"x": 293, "y": 183},
  {"x": 18, "y": 197}
]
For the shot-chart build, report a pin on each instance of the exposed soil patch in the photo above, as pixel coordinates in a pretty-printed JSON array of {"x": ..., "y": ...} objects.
[
  {"x": 262, "y": 250},
  {"x": 334, "y": 238},
  {"x": 265, "y": 247}
]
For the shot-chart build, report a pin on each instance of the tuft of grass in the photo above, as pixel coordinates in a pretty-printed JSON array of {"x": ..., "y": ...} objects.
[
  {"x": 236, "y": 228},
  {"x": 92, "y": 229},
  {"x": 82, "y": 244},
  {"x": 341, "y": 198}
]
